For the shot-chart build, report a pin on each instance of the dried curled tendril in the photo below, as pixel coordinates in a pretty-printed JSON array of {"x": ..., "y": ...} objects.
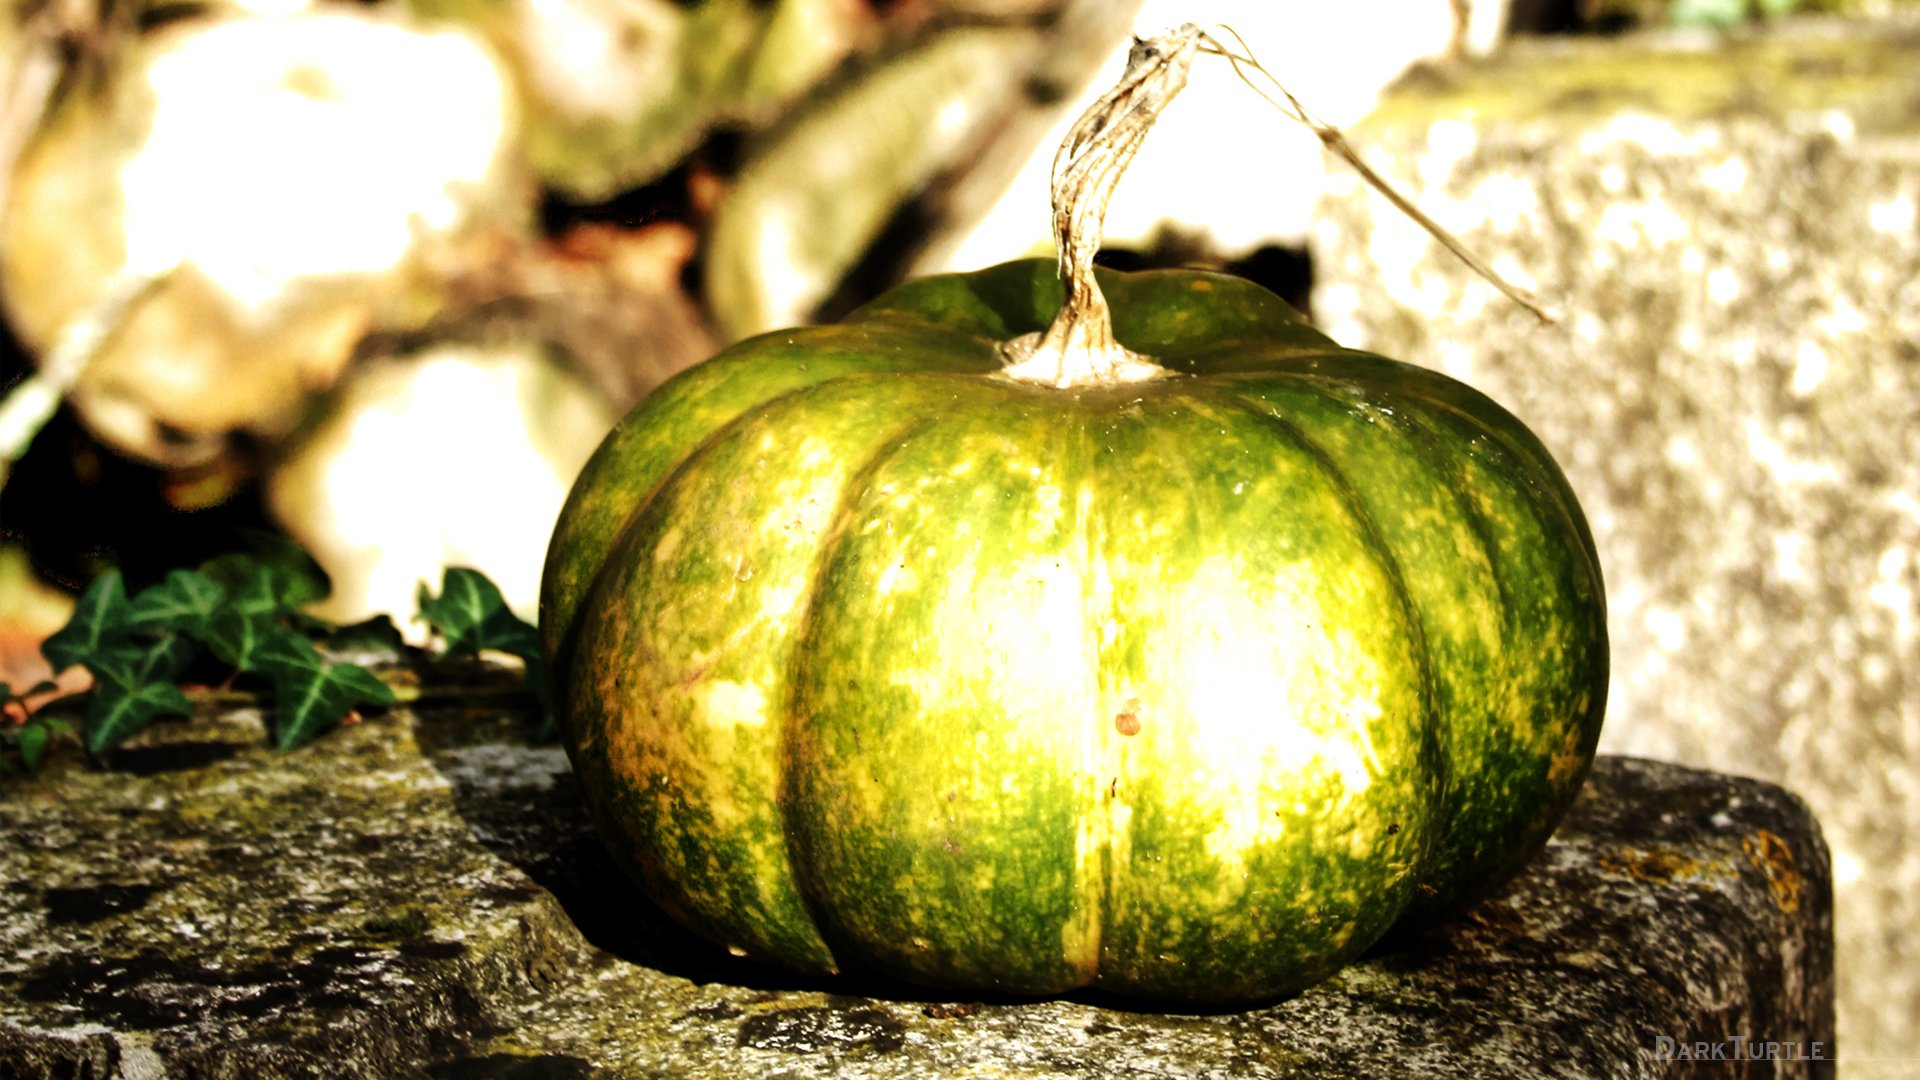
[
  {"x": 1078, "y": 349},
  {"x": 1330, "y": 137}
]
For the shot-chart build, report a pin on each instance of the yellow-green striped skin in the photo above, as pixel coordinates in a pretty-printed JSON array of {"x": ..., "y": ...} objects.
[{"x": 869, "y": 656}]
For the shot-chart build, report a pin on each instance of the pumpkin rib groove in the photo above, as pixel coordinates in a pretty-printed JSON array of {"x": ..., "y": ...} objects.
[
  {"x": 1447, "y": 461},
  {"x": 1105, "y": 534},
  {"x": 887, "y": 852},
  {"x": 1076, "y": 460},
  {"x": 745, "y": 417},
  {"x": 1533, "y": 481},
  {"x": 1436, "y": 395},
  {"x": 617, "y": 530},
  {"x": 1349, "y": 495},
  {"x": 1447, "y": 424},
  {"x": 1418, "y": 422},
  {"x": 692, "y": 453},
  {"x": 1472, "y": 413},
  {"x": 585, "y": 533},
  {"x": 1188, "y": 859},
  {"x": 1539, "y": 467},
  {"x": 856, "y": 486},
  {"x": 1390, "y": 559},
  {"x": 1469, "y": 414},
  {"x": 697, "y": 495}
]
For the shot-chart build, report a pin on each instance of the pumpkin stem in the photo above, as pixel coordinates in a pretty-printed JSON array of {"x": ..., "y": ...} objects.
[{"x": 1078, "y": 349}]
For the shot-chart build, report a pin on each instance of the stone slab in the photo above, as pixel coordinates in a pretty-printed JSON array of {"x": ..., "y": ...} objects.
[
  {"x": 420, "y": 895},
  {"x": 1732, "y": 229}
]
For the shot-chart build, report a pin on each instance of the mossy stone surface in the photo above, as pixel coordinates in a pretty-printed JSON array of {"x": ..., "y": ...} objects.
[{"x": 421, "y": 895}]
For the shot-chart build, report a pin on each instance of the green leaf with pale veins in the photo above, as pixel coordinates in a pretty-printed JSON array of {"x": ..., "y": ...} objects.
[
  {"x": 235, "y": 636},
  {"x": 300, "y": 581},
  {"x": 138, "y": 660},
  {"x": 121, "y": 708},
  {"x": 268, "y": 590},
  {"x": 471, "y": 615},
  {"x": 311, "y": 694},
  {"x": 184, "y": 601},
  {"x": 98, "y": 617},
  {"x": 133, "y": 685}
]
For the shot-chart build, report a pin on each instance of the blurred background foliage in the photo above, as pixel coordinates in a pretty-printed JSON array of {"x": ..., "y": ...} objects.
[{"x": 396, "y": 266}]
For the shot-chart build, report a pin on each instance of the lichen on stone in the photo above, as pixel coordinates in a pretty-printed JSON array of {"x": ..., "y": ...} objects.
[{"x": 422, "y": 894}]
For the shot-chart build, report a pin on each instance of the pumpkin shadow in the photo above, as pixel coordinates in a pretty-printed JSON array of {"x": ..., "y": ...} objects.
[
  {"x": 523, "y": 803},
  {"x": 529, "y": 812}
]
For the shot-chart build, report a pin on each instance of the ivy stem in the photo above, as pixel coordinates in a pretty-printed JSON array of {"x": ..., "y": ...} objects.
[{"x": 1078, "y": 350}]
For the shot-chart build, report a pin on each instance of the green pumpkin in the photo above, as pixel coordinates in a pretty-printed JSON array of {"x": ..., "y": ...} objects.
[{"x": 872, "y": 656}]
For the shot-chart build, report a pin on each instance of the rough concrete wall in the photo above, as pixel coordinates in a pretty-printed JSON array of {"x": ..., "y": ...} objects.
[{"x": 1731, "y": 233}]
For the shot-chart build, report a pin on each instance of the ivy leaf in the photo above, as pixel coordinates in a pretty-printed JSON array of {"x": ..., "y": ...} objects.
[
  {"x": 33, "y": 741},
  {"x": 311, "y": 694},
  {"x": 100, "y": 615},
  {"x": 276, "y": 592},
  {"x": 36, "y": 734},
  {"x": 262, "y": 590},
  {"x": 133, "y": 686},
  {"x": 184, "y": 601},
  {"x": 122, "y": 707},
  {"x": 266, "y": 590},
  {"x": 471, "y": 615},
  {"x": 284, "y": 554},
  {"x": 300, "y": 581},
  {"x": 133, "y": 661},
  {"x": 235, "y": 636}
]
